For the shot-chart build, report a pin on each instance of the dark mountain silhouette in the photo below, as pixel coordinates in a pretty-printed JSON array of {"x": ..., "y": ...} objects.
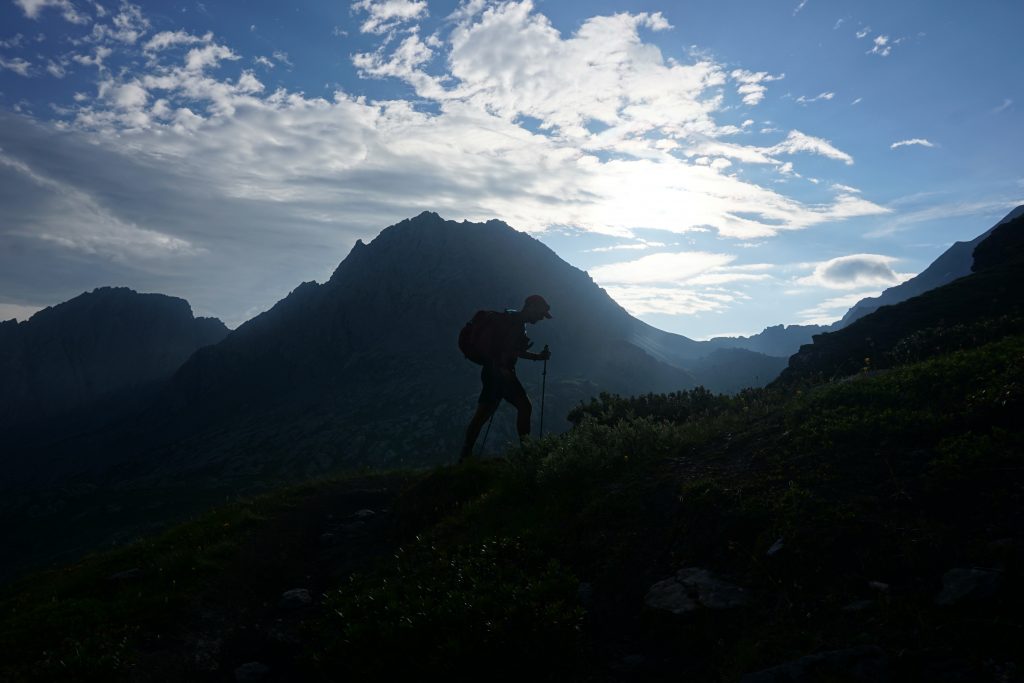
[
  {"x": 98, "y": 345},
  {"x": 953, "y": 263},
  {"x": 372, "y": 351},
  {"x": 988, "y": 303}
]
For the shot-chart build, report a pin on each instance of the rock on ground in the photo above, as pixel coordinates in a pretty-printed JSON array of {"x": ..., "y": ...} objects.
[{"x": 691, "y": 588}]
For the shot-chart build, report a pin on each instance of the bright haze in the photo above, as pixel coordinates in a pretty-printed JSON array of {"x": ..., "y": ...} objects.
[{"x": 716, "y": 166}]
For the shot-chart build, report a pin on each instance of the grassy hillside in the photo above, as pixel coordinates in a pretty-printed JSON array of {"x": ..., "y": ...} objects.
[{"x": 879, "y": 516}]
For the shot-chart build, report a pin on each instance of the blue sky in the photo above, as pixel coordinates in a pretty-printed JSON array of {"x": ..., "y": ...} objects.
[{"x": 717, "y": 166}]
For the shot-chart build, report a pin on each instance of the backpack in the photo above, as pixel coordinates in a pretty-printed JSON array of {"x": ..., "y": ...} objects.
[{"x": 476, "y": 338}]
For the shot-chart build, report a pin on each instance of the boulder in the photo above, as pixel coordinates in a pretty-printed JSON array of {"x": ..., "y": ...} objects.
[
  {"x": 296, "y": 598},
  {"x": 691, "y": 588},
  {"x": 965, "y": 585}
]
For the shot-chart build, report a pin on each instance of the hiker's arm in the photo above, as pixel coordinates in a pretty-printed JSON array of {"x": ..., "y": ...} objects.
[{"x": 543, "y": 355}]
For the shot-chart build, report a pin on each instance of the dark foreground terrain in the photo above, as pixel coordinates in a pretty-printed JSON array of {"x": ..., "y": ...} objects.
[{"x": 868, "y": 529}]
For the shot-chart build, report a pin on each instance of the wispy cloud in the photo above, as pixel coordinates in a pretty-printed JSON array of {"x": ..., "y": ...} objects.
[
  {"x": 922, "y": 142},
  {"x": 820, "y": 96},
  {"x": 1007, "y": 103},
  {"x": 799, "y": 7},
  {"x": 383, "y": 16},
  {"x": 33, "y": 8},
  {"x": 914, "y": 210},
  {"x": 662, "y": 268},
  {"x": 17, "y": 65},
  {"x": 641, "y": 245},
  {"x": 799, "y": 142},
  {"x": 679, "y": 282}
]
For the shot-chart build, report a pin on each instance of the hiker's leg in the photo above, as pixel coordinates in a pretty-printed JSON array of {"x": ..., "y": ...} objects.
[
  {"x": 490, "y": 397},
  {"x": 516, "y": 395},
  {"x": 482, "y": 415}
]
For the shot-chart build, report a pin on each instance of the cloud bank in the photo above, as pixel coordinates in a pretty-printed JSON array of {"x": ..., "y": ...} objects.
[{"x": 181, "y": 154}]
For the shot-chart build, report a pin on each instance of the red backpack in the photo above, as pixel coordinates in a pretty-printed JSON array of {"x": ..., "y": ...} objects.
[{"x": 477, "y": 337}]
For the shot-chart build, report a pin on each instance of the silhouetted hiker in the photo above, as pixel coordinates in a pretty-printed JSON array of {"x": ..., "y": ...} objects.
[{"x": 496, "y": 341}]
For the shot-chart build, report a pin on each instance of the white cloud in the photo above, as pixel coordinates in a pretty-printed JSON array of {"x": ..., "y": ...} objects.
[
  {"x": 168, "y": 39},
  {"x": 17, "y": 65},
  {"x": 820, "y": 96},
  {"x": 641, "y": 245},
  {"x": 641, "y": 299},
  {"x": 855, "y": 271},
  {"x": 32, "y": 8},
  {"x": 857, "y": 101},
  {"x": 56, "y": 70},
  {"x": 799, "y": 7},
  {"x": 677, "y": 282},
  {"x": 386, "y": 15},
  {"x": 402, "y": 63},
  {"x": 799, "y": 142},
  {"x": 912, "y": 141},
  {"x": 282, "y": 57},
  {"x": 14, "y": 41},
  {"x": 199, "y": 58},
  {"x": 127, "y": 26},
  {"x": 263, "y": 61},
  {"x": 100, "y": 54},
  {"x": 881, "y": 46},
  {"x": 661, "y": 268},
  {"x": 863, "y": 33},
  {"x": 751, "y": 86}
]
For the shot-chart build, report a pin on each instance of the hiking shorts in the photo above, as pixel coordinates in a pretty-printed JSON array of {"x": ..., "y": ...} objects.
[{"x": 501, "y": 384}]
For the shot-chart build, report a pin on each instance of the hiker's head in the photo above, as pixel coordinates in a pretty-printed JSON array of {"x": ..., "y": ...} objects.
[{"x": 535, "y": 308}]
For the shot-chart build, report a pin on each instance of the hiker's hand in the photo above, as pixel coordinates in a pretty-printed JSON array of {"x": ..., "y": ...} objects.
[{"x": 545, "y": 354}]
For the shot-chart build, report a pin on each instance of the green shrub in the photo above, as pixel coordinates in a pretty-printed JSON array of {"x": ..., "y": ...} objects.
[{"x": 486, "y": 610}]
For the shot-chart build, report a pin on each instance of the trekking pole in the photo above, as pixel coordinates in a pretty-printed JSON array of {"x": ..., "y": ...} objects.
[
  {"x": 543, "y": 390},
  {"x": 484, "y": 444}
]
